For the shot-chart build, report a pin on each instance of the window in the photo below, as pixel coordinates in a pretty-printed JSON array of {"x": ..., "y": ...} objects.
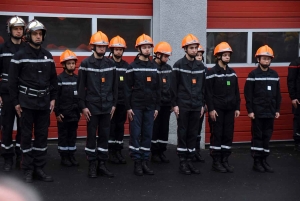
[
  {"x": 129, "y": 29},
  {"x": 284, "y": 44},
  {"x": 236, "y": 40},
  {"x": 67, "y": 33},
  {"x": 3, "y": 20}
]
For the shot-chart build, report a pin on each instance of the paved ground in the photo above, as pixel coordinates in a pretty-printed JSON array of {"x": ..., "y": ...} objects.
[{"x": 72, "y": 184}]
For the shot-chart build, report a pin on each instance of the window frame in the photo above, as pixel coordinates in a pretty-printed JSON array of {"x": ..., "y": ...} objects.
[
  {"x": 249, "y": 45},
  {"x": 94, "y": 25}
]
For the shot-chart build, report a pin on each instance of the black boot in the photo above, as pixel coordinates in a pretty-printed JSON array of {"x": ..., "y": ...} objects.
[
  {"x": 198, "y": 157},
  {"x": 120, "y": 157},
  {"x": 266, "y": 166},
  {"x": 113, "y": 158},
  {"x": 28, "y": 176},
  {"x": 102, "y": 170},
  {"x": 65, "y": 161},
  {"x": 146, "y": 169},
  {"x": 8, "y": 163},
  {"x": 183, "y": 166},
  {"x": 163, "y": 158},
  {"x": 257, "y": 165},
  {"x": 138, "y": 168},
  {"x": 41, "y": 175},
  {"x": 155, "y": 158},
  {"x": 92, "y": 169},
  {"x": 217, "y": 166},
  {"x": 192, "y": 167},
  {"x": 18, "y": 161},
  {"x": 73, "y": 160},
  {"x": 225, "y": 164}
]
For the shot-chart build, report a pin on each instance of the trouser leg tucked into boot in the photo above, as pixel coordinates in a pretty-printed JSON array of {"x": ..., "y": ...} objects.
[
  {"x": 138, "y": 168},
  {"x": 146, "y": 169},
  {"x": 102, "y": 169},
  {"x": 198, "y": 157},
  {"x": 92, "y": 169},
  {"x": 217, "y": 166},
  {"x": 257, "y": 166},
  {"x": 73, "y": 160},
  {"x": 183, "y": 166},
  {"x": 192, "y": 167},
  {"x": 113, "y": 157},
  {"x": 120, "y": 157},
  {"x": 65, "y": 160},
  {"x": 225, "y": 164}
]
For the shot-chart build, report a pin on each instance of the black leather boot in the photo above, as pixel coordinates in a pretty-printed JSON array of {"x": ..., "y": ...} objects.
[
  {"x": 102, "y": 170},
  {"x": 163, "y": 158},
  {"x": 73, "y": 160},
  {"x": 113, "y": 158},
  {"x": 8, "y": 163},
  {"x": 192, "y": 167},
  {"x": 138, "y": 168},
  {"x": 120, "y": 157},
  {"x": 183, "y": 166},
  {"x": 266, "y": 166},
  {"x": 217, "y": 166},
  {"x": 41, "y": 175},
  {"x": 198, "y": 157},
  {"x": 28, "y": 176},
  {"x": 257, "y": 166},
  {"x": 225, "y": 164},
  {"x": 18, "y": 161},
  {"x": 146, "y": 169},
  {"x": 65, "y": 161},
  {"x": 92, "y": 169},
  {"x": 155, "y": 158}
]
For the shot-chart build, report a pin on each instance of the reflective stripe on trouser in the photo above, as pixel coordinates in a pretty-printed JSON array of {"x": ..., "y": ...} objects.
[
  {"x": 34, "y": 156},
  {"x": 262, "y": 129},
  {"x": 221, "y": 133},
  {"x": 117, "y": 128},
  {"x": 67, "y": 133},
  {"x": 8, "y": 114},
  {"x": 160, "y": 133},
  {"x": 187, "y": 131},
  {"x": 296, "y": 125},
  {"x": 199, "y": 133},
  {"x": 141, "y": 134},
  {"x": 102, "y": 123}
]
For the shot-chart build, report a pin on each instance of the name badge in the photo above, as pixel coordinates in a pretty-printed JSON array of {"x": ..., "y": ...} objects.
[
  {"x": 75, "y": 93},
  {"x": 194, "y": 81},
  {"x": 269, "y": 88},
  {"x": 228, "y": 83},
  {"x": 103, "y": 79},
  {"x": 148, "y": 79},
  {"x": 164, "y": 80},
  {"x": 121, "y": 78}
]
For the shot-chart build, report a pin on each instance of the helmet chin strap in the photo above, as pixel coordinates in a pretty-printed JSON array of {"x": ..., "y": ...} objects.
[{"x": 141, "y": 53}]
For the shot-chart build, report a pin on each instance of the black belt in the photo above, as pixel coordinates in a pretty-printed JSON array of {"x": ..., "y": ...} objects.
[{"x": 33, "y": 92}]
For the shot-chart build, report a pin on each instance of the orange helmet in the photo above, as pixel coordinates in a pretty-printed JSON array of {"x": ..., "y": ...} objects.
[
  {"x": 265, "y": 51},
  {"x": 143, "y": 40},
  {"x": 67, "y": 55},
  {"x": 117, "y": 42},
  {"x": 99, "y": 38},
  {"x": 163, "y": 47},
  {"x": 189, "y": 39},
  {"x": 201, "y": 49},
  {"x": 222, "y": 47}
]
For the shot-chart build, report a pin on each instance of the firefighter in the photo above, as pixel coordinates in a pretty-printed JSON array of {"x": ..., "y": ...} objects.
[
  {"x": 162, "y": 51},
  {"x": 223, "y": 102},
  {"x": 198, "y": 157},
  {"x": 117, "y": 47},
  {"x": 33, "y": 90},
  {"x": 188, "y": 81},
  {"x": 97, "y": 92},
  {"x": 142, "y": 98},
  {"x": 66, "y": 109},
  {"x": 263, "y": 98},
  {"x": 15, "y": 29},
  {"x": 293, "y": 82}
]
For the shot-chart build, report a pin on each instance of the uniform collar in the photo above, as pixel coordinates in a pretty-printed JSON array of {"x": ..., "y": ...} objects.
[
  {"x": 219, "y": 68},
  {"x": 28, "y": 49}
]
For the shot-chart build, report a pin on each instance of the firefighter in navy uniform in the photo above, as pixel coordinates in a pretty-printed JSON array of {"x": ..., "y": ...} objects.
[
  {"x": 66, "y": 109},
  {"x": 142, "y": 98},
  {"x": 117, "y": 46},
  {"x": 33, "y": 90},
  {"x": 263, "y": 99},
  {"x": 15, "y": 29},
  {"x": 162, "y": 51},
  {"x": 293, "y": 82},
  {"x": 223, "y": 102},
  {"x": 188, "y": 82},
  {"x": 198, "y": 157},
  {"x": 98, "y": 93}
]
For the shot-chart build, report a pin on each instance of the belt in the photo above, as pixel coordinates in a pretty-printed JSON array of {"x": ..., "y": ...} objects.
[
  {"x": 33, "y": 92},
  {"x": 4, "y": 76}
]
